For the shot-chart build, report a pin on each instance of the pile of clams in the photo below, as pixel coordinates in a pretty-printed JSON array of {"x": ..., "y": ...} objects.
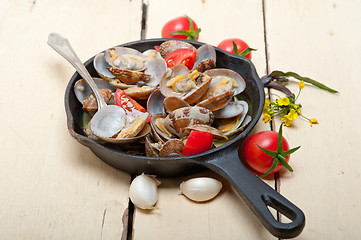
[{"x": 177, "y": 100}]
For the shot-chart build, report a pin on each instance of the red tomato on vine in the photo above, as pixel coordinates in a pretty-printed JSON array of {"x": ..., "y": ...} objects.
[
  {"x": 236, "y": 46},
  {"x": 181, "y": 27},
  {"x": 267, "y": 152}
]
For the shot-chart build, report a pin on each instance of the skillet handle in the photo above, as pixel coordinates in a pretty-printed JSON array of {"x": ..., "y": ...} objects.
[{"x": 257, "y": 194}]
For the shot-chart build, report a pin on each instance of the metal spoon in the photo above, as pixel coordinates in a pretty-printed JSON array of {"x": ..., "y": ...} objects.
[{"x": 109, "y": 119}]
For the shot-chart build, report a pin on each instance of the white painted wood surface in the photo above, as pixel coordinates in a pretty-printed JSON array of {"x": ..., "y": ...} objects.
[{"x": 51, "y": 187}]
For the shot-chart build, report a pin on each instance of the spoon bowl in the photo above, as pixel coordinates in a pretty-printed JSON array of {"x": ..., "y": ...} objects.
[{"x": 109, "y": 119}]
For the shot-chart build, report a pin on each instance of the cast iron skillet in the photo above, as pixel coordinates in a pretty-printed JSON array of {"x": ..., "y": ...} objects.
[{"x": 223, "y": 160}]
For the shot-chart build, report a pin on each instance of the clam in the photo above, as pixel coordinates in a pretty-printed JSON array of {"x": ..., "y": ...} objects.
[
  {"x": 101, "y": 67},
  {"x": 152, "y": 54},
  {"x": 232, "y": 109},
  {"x": 156, "y": 68},
  {"x": 233, "y": 124},
  {"x": 223, "y": 76},
  {"x": 140, "y": 93},
  {"x": 152, "y": 149},
  {"x": 179, "y": 119},
  {"x": 189, "y": 86},
  {"x": 224, "y": 85},
  {"x": 82, "y": 89},
  {"x": 134, "y": 127},
  {"x": 128, "y": 68},
  {"x": 216, "y": 102},
  {"x": 154, "y": 103},
  {"x": 172, "y": 103},
  {"x": 125, "y": 58},
  {"x": 169, "y": 46},
  {"x": 90, "y": 104},
  {"x": 207, "y": 128},
  {"x": 129, "y": 77},
  {"x": 207, "y": 58},
  {"x": 160, "y": 132},
  {"x": 171, "y": 148}
]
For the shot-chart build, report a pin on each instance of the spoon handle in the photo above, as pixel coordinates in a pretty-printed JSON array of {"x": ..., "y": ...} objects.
[{"x": 62, "y": 46}]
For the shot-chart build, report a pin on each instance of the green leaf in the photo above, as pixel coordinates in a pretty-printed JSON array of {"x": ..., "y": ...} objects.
[
  {"x": 305, "y": 79},
  {"x": 180, "y": 32},
  {"x": 282, "y": 160},
  {"x": 279, "y": 140},
  {"x": 235, "y": 49},
  {"x": 246, "y": 52},
  {"x": 191, "y": 34},
  {"x": 289, "y": 152},
  {"x": 270, "y": 153},
  {"x": 191, "y": 28},
  {"x": 274, "y": 165}
]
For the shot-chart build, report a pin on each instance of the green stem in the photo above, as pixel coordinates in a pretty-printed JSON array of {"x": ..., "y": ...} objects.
[{"x": 299, "y": 91}]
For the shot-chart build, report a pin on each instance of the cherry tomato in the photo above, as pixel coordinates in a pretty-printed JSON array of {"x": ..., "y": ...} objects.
[
  {"x": 198, "y": 142},
  {"x": 130, "y": 106},
  {"x": 181, "y": 24},
  {"x": 227, "y": 45},
  {"x": 185, "y": 56},
  {"x": 256, "y": 158}
]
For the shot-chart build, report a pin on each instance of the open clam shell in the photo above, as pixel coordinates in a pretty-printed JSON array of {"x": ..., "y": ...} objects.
[
  {"x": 82, "y": 89},
  {"x": 142, "y": 134},
  {"x": 218, "y": 74},
  {"x": 173, "y": 103},
  {"x": 156, "y": 68},
  {"x": 139, "y": 93},
  {"x": 207, "y": 58},
  {"x": 159, "y": 131},
  {"x": 155, "y": 103},
  {"x": 189, "y": 86},
  {"x": 134, "y": 127},
  {"x": 232, "y": 109},
  {"x": 101, "y": 67},
  {"x": 232, "y": 125},
  {"x": 217, "y": 102},
  {"x": 125, "y": 58}
]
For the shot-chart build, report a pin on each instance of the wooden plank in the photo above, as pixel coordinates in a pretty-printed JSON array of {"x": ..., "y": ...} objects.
[
  {"x": 321, "y": 40},
  {"x": 52, "y": 187},
  {"x": 227, "y": 216}
]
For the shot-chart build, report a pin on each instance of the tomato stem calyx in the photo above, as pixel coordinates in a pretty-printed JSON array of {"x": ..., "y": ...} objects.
[
  {"x": 279, "y": 156},
  {"x": 191, "y": 34},
  {"x": 244, "y": 53}
]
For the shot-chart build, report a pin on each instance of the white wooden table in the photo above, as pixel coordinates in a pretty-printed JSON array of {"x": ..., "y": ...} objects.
[{"x": 51, "y": 187}]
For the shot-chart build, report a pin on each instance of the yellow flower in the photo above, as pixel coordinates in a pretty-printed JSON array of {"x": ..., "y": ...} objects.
[
  {"x": 298, "y": 110},
  {"x": 313, "y": 121},
  {"x": 301, "y": 84},
  {"x": 267, "y": 102},
  {"x": 293, "y": 114},
  {"x": 288, "y": 120},
  {"x": 285, "y": 101},
  {"x": 266, "y": 117}
]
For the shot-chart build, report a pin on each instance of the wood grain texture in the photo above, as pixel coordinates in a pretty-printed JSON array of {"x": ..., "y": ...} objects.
[
  {"x": 51, "y": 186},
  {"x": 320, "y": 40}
]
